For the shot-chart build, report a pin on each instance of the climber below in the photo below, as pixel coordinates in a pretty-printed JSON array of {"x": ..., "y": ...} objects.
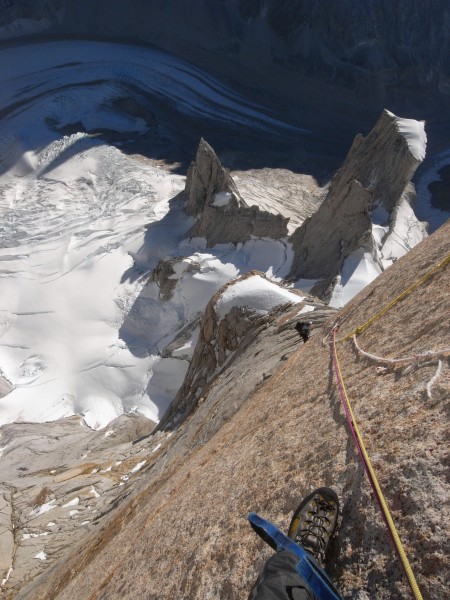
[
  {"x": 296, "y": 572},
  {"x": 303, "y": 329}
]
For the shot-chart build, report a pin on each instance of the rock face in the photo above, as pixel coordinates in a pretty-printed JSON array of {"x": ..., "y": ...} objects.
[
  {"x": 62, "y": 480},
  {"x": 5, "y": 386},
  {"x": 385, "y": 160},
  {"x": 291, "y": 194},
  {"x": 58, "y": 479},
  {"x": 223, "y": 216},
  {"x": 261, "y": 443},
  {"x": 374, "y": 176}
]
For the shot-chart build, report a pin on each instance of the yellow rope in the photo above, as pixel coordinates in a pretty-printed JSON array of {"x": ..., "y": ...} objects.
[
  {"x": 381, "y": 312},
  {"x": 354, "y": 426},
  {"x": 378, "y": 492}
]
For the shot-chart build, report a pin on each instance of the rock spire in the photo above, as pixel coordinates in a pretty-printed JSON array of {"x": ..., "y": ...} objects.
[
  {"x": 375, "y": 176},
  {"x": 223, "y": 216}
]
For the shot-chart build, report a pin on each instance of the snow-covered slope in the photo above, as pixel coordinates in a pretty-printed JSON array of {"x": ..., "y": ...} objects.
[
  {"x": 83, "y": 225},
  {"x": 69, "y": 239}
]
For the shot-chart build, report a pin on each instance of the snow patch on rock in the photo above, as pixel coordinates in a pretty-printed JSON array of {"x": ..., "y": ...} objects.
[
  {"x": 40, "y": 510},
  {"x": 414, "y": 133},
  {"x": 256, "y": 293},
  {"x": 221, "y": 199},
  {"x": 137, "y": 467}
]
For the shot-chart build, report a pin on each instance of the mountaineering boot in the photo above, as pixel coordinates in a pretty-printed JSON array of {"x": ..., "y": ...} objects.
[{"x": 314, "y": 522}]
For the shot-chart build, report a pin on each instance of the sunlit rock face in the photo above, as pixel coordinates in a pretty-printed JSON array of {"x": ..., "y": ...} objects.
[
  {"x": 223, "y": 216},
  {"x": 234, "y": 318},
  {"x": 362, "y": 208}
]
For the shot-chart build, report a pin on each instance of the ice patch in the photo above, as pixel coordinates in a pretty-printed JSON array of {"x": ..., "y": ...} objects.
[{"x": 41, "y": 555}]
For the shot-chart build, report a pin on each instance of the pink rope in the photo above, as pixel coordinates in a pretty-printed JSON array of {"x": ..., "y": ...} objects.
[
  {"x": 344, "y": 403},
  {"x": 355, "y": 436}
]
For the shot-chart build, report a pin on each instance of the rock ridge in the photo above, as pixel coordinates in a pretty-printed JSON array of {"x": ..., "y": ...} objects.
[{"x": 219, "y": 340}]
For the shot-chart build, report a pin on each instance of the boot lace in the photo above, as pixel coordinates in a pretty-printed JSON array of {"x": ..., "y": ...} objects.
[{"x": 315, "y": 525}]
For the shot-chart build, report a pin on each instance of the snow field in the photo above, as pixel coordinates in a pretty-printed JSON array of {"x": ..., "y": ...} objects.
[{"x": 83, "y": 226}]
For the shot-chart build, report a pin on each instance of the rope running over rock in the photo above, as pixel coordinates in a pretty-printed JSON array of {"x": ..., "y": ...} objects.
[
  {"x": 371, "y": 475},
  {"x": 353, "y": 424},
  {"x": 381, "y": 312}
]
